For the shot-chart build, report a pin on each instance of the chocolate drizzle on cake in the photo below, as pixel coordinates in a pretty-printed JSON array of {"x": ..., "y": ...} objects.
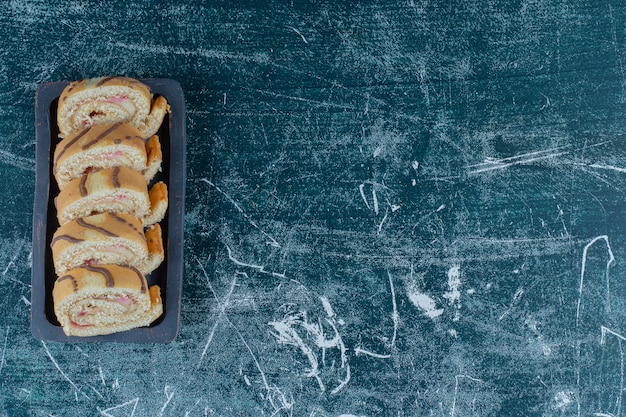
[
  {"x": 123, "y": 221},
  {"x": 114, "y": 177},
  {"x": 101, "y": 135},
  {"x": 67, "y": 145},
  {"x": 71, "y": 278},
  {"x": 69, "y": 238},
  {"x": 103, "y": 271},
  {"x": 142, "y": 279},
  {"x": 102, "y": 230},
  {"x": 83, "y": 185},
  {"x": 104, "y": 80},
  {"x": 105, "y": 170},
  {"x": 72, "y": 86}
]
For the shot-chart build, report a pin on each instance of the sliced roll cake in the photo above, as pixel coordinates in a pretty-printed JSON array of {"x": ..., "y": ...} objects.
[
  {"x": 106, "y": 100},
  {"x": 107, "y": 238},
  {"x": 106, "y": 146},
  {"x": 104, "y": 299},
  {"x": 116, "y": 190}
]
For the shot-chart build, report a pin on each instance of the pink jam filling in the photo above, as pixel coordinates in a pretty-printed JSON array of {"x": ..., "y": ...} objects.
[
  {"x": 110, "y": 155},
  {"x": 80, "y": 326},
  {"x": 118, "y": 248},
  {"x": 111, "y": 199},
  {"x": 124, "y": 300},
  {"x": 117, "y": 99}
]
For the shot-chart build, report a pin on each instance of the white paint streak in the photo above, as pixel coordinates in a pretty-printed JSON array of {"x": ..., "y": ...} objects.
[
  {"x": 611, "y": 259},
  {"x": 518, "y": 294},
  {"x": 583, "y": 269},
  {"x": 362, "y": 191},
  {"x": 201, "y": 52},
  {"x": 286, "y": 333},
  {"x": 523, "y": 159},
  {"x": 375, "y": 199},
  {"x": 311, "y": 102},
  {"x": 271, "y": 242},
  {"x": 380, "y": 225},
  {"x": 327, "y": 307},
  {"x": 9, "y": 158},
  {"x": 222, "y": 308},
  {"x": 454, "y": 284},
  {"x": 67, "y": 378},
  {"x": 425, "y": 303},
  {"x": 12, "y": 261},
  {"x": 422, "y": 301},
  {"x": 97, "y": 392},
  {"x": 105, "y": 413},
  {"x": 187, "y": 413},
  {"x": 360, "y": 351},
  {"x": 344, "y": 360},
  {"x": 168, "y": 395},
  {"x": 271, "y": 391},
  {"x": 605, "y": 331},
  {"x": 4, "y": 348},
  {"x": 298, "y": 32},
  {"x": 608, "y": 167},
  {"x": 253, "y": 266},
  {"x": 395, "y": 317},
  {"x": 101, "y": 374},
  {"x": 456, "y": 390},
  {"x": 562, "y": 400}
]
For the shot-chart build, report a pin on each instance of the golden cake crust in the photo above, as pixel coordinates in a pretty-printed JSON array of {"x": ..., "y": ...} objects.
[
  {"x": 109, "y": 238},
  {"x": 98, "y": 277},
  {"x": 88, "y": 83},
  {"x": 104, "y": 299},
  {"x": 101, "y": 226},
  {"x": 101, "y": 238},
  {"x": 104, "y": 190},
  {"x": 110, "y": 99},
  {"x": 99, "y": 147}
]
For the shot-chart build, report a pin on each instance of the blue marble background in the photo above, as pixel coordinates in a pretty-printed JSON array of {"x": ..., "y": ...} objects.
[{"x": 394, "y": 208}]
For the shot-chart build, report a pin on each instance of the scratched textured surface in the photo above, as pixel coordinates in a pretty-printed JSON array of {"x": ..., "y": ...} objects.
[{"x": 395, "y": 208}]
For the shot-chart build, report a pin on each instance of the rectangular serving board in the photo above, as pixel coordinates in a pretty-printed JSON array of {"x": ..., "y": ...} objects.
[{"x": 168, "y": 276}]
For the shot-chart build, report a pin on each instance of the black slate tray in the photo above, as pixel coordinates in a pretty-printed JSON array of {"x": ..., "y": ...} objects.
[{"x": 168, "y": 276}]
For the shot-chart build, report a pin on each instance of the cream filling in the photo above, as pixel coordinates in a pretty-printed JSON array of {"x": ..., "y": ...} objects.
[
  {"x": 117, "y": 249},
  {"x": 112, "y": 307},
  {"x": 110, "y": 199},
  {"x": 109, "y": 155},
  {"x": 121, "y": 101}
]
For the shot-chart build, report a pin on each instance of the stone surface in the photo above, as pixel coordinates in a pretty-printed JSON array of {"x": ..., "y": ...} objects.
[{"x": 404, "y": 208}]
